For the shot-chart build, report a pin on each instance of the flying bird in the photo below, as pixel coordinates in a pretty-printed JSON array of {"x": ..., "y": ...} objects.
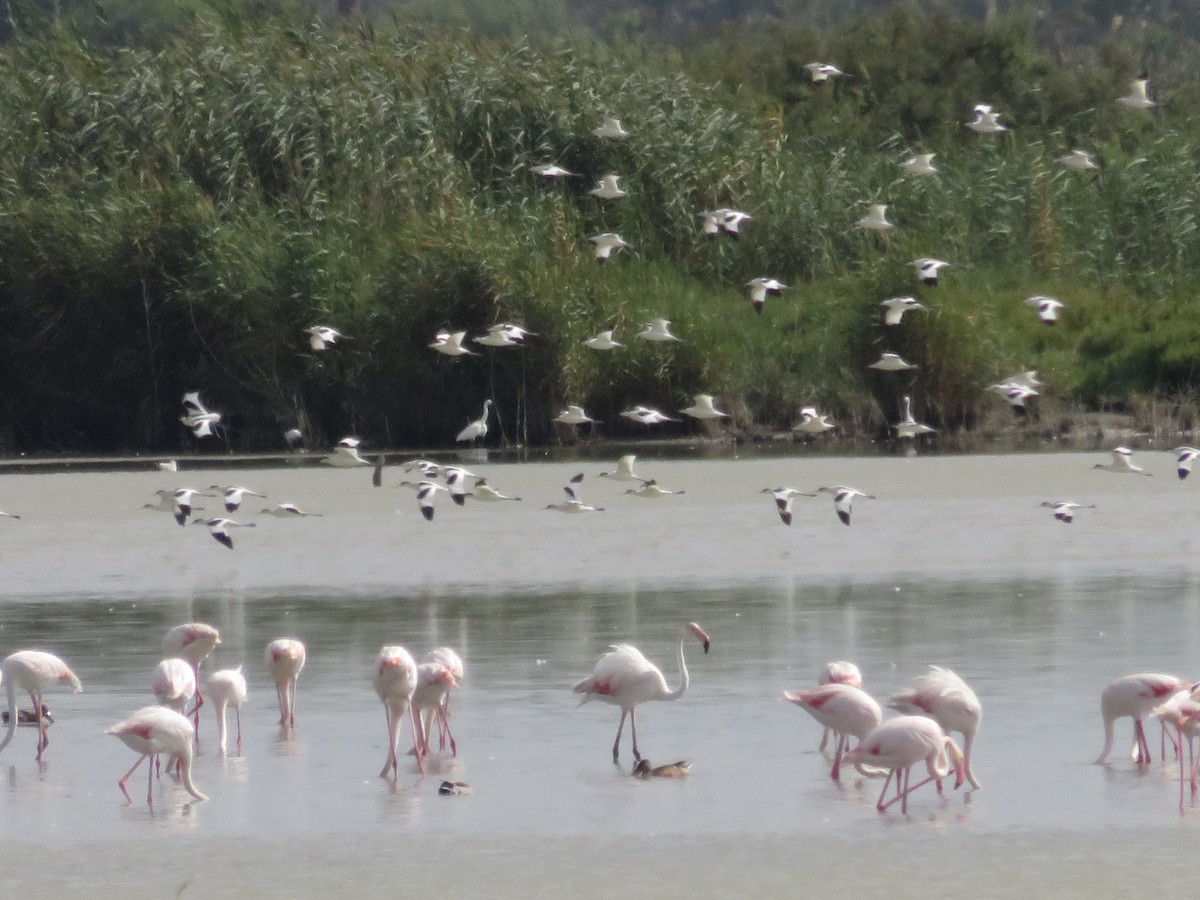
[
  {"x": 610, "y": 128},
  {"x": 549, "y": 170},
  {"x": 813, "y": 422},
  {"x": 572, "y": 504},
  {"x": 1064, "y": 510},
  {"x": 624, "y": 470},
  {"x": 897, "y": 307},
  {"x": 1122, "y": 463},
  {"x": 219, "y": 527},
  {"x": 652, "y": 490},
  {"x": 1139, "y": 94},
  {"x": 702, "y": 408},
  {"x": 607, "y": 244},
  {"x": 909, "y": 427},
  {"x": 875, "y": 219},
  {"x": 646, "y": 415},
  {"x": 574, "y": 415},
  {"x": 451, "y": 343},
  {"x": 345, "y": 454},
  {"x": 609, "y": 188},
  {"x": 890, "y": 362},
  {"x": 843, "y": 500},
  {"x": 985, "y": 120},
  {"x": 602, "y": 341},
  {"x": 1047, "y": 307},
  {"x": 322, "y": 337},
  {"x": 487, "y": 494},
  {"x": 1078, "y": 161},
  {"x": 286, "y": 511},
  {"x": 1185, "y": 457},
  {"x": 821, "y": 72},
  {"x": 927, "y": 269},
  {"x": 426, "y": 492},
  {"x": 921, "y": 164},
  {"x": 657, "y": 330},
  {"x": 783, "y": 500},
  {"x": 760, "y": 288}
]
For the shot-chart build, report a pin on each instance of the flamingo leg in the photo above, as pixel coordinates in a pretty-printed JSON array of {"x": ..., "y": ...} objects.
[
  {"x": 237, "y": 712},
  {"x": 1143, "y": 747},
  {"x": 633, "y": 731},
  {"x": 43, "y": 740},
  {"x": 281, "y": 696},
  {"x": 836, "y": 774},
  {"x": 416, "y": 749},
  {"x": 443, "y": 717},
  {"x": 617, "y": 742},
  {"x": 824, "y": 740},
  {"x": 879, "y": 804},
  {"x": 291, "y": 703},
  {"x": 391, "y": 754},
  {"x": 125, "y": 777}
]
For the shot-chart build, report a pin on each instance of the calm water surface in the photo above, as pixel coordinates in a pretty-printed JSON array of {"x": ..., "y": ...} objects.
[{"x": 953, "y": 564}]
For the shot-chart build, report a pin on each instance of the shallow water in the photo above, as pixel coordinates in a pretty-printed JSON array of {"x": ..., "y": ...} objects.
[{"x": 953, "y": 564}]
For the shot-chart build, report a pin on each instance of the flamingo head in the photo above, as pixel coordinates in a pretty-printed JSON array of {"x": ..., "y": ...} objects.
[{"x": 699, "y": 634}]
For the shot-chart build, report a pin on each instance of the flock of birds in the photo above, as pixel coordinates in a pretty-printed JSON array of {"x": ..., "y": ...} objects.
[
  {"x": 937, "y": 704},
  {"x": 1018, "y": 389}
]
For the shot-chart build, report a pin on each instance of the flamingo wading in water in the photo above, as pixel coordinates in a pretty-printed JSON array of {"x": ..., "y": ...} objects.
[
  {"x": 193, "y": 641},
  {"x": 844, "y": 709},
  {"x": 33, "y": 671},
  {"x": 948, "y": 700},
  {"x": 152, "y": 730},
  {"x": 625, "y": 678},
  {"x": 285, "y": 659},
  {"x": 899, "y": 744},
  {"x": 395, "y": 680},
  {"x": 1135, "y": 696}
]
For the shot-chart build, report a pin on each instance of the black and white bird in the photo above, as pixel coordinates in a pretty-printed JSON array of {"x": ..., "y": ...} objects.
[
  {"x": 843, "y": 500},
  {"x": 286, "y": 511},
  {"x": 891, "y": 362},
  {"x": 219, "y": 528},
  {"x": 602, "y": 341},
  {"x": 1047, "y": 308},
  {"x": 821, "y": 72},
  {"x": 646, "y": 415},
  {"x": 450, "y": 343},
  {"x": 609, "y": 188},
  {"x": 703, "y": 407},
  {"x": 572, "y": 504},
  {"x": 1078, "y": 161},
  {"x": 504, "y": 335},
  {"x": 345, "y": 454},
  {"x": 1122, "y": 463},
  {"x": 607, "y": 243},
  {"x": 985, "y": 120},
  {"x": 456, "y": 483},
  {"x": 928, "y": 269},
  {"x": 322, "y": 337},
  {"x": 1064, "y": 510},
  {"x": 426, "y": 492},
  {"x": 574, "y": 415},
  {"x": 550, "y": 170},
  {"x": 624, "y": 470},
  {"x": 485, "y": 493},
  {"x": 813, "y": 422},
  {"x": 716, "y": 222},
  {"x": 657, "y": 330},
  {"x": 1185, "y": 456},
  {"x": 876, "y": 219},
  {"x": 760, "y": 288},
  {"x": 909, "y": 427},
  {"x": 783, "y": 500},
  {"x": 234, "y": 495},
  {"x": 896, "y": 307},
  {"x": 651, "y": 489},
  {"x": 197, "y": 417}
]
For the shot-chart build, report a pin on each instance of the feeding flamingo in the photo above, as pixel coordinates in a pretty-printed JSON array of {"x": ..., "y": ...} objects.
[
  {"x": 899, "y": 744},
  {"x": 434, "y": 682},
  {"x": 839, "y": 671},
  {"x": 285, "y": 659},
  {"x": 152, "y": 730},
  {"x": 395, "y": 680},
  {"x": 1135, "y": 696},
  {"x": 454, "y": 663},
  {"x": 844, "y": 709},
  {"x": 33, "y": 671},
  {"x": 625, "y": 678},
  {"x": 228, "y": 688},
  {"x": 948, "y": 700},
  {"x": 193, "y": 641}
]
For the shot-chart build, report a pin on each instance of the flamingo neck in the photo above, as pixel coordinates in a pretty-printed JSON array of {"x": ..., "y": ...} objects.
[
  {"x": 684, "y": 680},
  {"x": 1108, "y": 740}
]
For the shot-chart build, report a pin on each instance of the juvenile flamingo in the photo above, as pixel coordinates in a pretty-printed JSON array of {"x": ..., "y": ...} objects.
[
  {"x": 33, "y": 671},
  {"x": 395, "y": 680},
  {"x": 152, "y": 730},
  {"x": 625, "y": 678},
  {"x": 285, "y": 659},
  {"x": 899, "y": 744}
]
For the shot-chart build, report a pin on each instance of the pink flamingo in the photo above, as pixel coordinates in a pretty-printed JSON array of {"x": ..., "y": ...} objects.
[
  {"x": 33, "y": 671},
  {"x": 454, "y": 663},
  {"x": 174, "y": 683},
  {"x": 899, "y": 744},
  {"x": 1183, "y": 711},
  {"x": 395, "y": 681},
  {"x": 192, "y": 641},
  {"x": 838, "y": 672},
  {"x": 845, "y": 710},
  {"x": 227, "y": 687},
  {"x": 157, "y": 729},
  {"x": 285, "y": 659},
  {"x": 1135, "y": 696},
  {"x": 625, "y": 678},
  {"x": 949, "y": 701},
  {"x": 434, "y": 682}
]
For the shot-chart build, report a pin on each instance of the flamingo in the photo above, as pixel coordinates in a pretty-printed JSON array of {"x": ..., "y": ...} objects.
[
  {"x": 478, "y": 429},
  {"x": 152, "y": 730},
  {"x": 33, "y": 671},
  {"x": 844, "y": 709},
  {"x": 173, "y": 683},
  {"x": 948, "y": 700},
  {"x": 285, "y": 659},
  {"x": 625, "y": 678},
  {"x": 434, "y": 682},
  {"x": 1135, "y": 696},
  {"x": 452, "y": 661},
  {"x": 1183, "y": 711},
  {"x": 395, "y": 680},
  {"x": 193, "y": 641},
  {"x": 899, "y": 744},
  {"x": 227, "y": 687},
  {"x": 839, "y": 671}
]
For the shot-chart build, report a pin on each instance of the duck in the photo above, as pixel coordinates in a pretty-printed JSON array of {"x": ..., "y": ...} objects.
[{"x": 679, "y": 769}]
